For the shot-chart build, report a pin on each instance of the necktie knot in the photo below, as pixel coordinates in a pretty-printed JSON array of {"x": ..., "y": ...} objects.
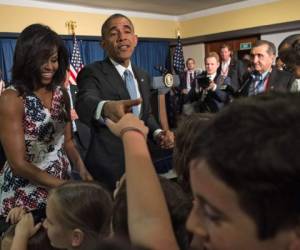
[{"x": 127, "y": 73}]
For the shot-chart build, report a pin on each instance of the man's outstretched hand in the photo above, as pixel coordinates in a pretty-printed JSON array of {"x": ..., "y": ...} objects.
[{"x": 115, "y": 110}]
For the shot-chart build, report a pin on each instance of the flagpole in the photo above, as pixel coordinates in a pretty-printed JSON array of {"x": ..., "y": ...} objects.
[{"x": 71, "y": 25}]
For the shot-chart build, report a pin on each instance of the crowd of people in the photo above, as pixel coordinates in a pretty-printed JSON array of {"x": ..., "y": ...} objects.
[
  {"x": 235, "y": 153},
  {"x": 228, "y": 78}
]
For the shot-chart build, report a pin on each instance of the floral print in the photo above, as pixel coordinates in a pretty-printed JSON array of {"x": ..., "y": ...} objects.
[{"x": 44, "y": 138}]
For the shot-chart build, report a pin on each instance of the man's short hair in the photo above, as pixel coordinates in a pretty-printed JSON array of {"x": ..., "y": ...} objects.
[
  {"x": 271, "y": 47},
  {"x": 109, "y": 19},
  {"x": 213, "y": 54},
  {"x": 225, "y": 45},
  {"x": 190, "y": 59},
  {"x": 253, "y": 147}
]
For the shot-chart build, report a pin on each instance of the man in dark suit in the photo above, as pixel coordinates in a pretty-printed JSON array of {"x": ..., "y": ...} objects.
[
  {"x": 187, "y": 82},
  {"x": 187, "y": 77},
  {"x": 230, "y": 67},
  {"x": 265, "y": 77},
  {"x": 103, "y": 93},
  {"x": 208, "y": 92}
]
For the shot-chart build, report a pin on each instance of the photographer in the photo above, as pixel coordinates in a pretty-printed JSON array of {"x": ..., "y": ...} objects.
[{"x": 209, "y": 89}]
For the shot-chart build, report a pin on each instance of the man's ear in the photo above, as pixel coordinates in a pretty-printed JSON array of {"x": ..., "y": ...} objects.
[
  {"x": 77, "y": 237},
  {"x": 136, "y": 39}
]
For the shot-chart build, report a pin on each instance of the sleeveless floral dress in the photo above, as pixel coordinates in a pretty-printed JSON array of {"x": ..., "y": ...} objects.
[{"x": 44, "y": 140}]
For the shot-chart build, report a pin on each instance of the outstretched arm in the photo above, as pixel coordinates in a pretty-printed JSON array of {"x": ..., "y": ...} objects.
[{"x": 148, "y": 216}]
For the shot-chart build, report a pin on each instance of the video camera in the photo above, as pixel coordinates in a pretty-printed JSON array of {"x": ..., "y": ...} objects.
[{"x": 203, "y": 80}]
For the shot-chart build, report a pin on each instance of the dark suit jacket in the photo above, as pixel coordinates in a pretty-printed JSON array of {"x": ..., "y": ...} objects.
[
  {"x": 278, "y": 81},
  {"x": 98, "y": 82},
  {"x": 236, "y": 72},
  {"x": 183, "y": 78},
  {"x": 83, "y": 134},
  {"x": 209, "y": 101}
]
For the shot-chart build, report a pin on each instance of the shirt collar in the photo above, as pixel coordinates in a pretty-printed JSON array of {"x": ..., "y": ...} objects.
[
  {"x": 227, "y": 62},
  {"x": 212, "y": 76},
  {"x": 263, "y": 75},
  {"x": 120, "y": 68}
]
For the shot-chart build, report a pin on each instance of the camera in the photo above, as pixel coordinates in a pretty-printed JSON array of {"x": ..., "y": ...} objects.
[{"x": 202, "y": 80}]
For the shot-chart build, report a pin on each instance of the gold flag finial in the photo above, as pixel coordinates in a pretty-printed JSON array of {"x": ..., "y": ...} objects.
[
  {"x": 71, "y": 25},
  {"x": 177, "y": 32}
]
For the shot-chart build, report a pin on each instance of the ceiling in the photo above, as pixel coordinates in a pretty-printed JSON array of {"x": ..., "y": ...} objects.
[{"x": 166, "y": 7}]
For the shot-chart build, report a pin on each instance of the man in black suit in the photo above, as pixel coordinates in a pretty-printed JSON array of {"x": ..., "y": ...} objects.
[
  {"x": 208, "y": 92},
  {"x": 103, "y": 94},
  {"x": 230, "y": 67},
  {"x": 265, "y": 77}
]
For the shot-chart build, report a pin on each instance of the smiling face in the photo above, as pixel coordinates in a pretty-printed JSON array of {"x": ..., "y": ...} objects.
[
  {"x": 261, "y": 58},
  {"x": 217, "y": 219},
  {"x": 49, "y": 68},
  {"x": 119, "y": 40}
]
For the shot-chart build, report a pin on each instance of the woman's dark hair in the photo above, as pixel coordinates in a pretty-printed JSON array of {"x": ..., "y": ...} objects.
[{"x": 34, "y": 47}]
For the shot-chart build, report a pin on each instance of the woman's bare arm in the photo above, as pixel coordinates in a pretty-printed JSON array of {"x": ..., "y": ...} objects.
[{"x": 13, "y": 141}]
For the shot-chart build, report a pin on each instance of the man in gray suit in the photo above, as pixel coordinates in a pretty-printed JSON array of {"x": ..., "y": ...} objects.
[
  {"x": 103, "y": 94},
  {"x": 265, "y": 77}
]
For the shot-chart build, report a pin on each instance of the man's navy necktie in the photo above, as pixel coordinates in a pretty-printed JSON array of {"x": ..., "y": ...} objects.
[{"x": 130, "y": 85}]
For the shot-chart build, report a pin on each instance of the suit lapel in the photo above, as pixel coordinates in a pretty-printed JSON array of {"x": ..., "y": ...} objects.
[{"x": 272, "y": 79}]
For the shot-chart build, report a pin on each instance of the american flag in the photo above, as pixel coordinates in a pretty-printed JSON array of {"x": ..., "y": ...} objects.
[
  {"x": 76, "y": 62},
  {"x": 2, "y": 83},
  {"x": 178, "y": 59}
]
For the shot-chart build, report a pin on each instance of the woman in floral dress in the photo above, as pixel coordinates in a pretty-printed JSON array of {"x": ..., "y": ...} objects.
[{"x": 35, "y": 128}]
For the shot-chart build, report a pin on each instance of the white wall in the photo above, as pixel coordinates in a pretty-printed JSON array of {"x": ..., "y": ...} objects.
[
  {"x": 276, "y": 38},
  {"x": 196, "y": 51}
]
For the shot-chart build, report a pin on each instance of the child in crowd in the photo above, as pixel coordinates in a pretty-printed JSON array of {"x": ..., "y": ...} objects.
[
  {"x": 185, "y": 134},
  {"x": 245, "y": 177},
  {"x": 78, "y": 214},
  {"x": 179, "y": 206}
]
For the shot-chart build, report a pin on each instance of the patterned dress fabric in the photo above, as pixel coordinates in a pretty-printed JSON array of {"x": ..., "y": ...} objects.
[{"x": 44, "y": 140}]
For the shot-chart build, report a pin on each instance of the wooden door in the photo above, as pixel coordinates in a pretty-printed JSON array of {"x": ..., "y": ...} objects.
[{"x": 236, "y": 45}]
